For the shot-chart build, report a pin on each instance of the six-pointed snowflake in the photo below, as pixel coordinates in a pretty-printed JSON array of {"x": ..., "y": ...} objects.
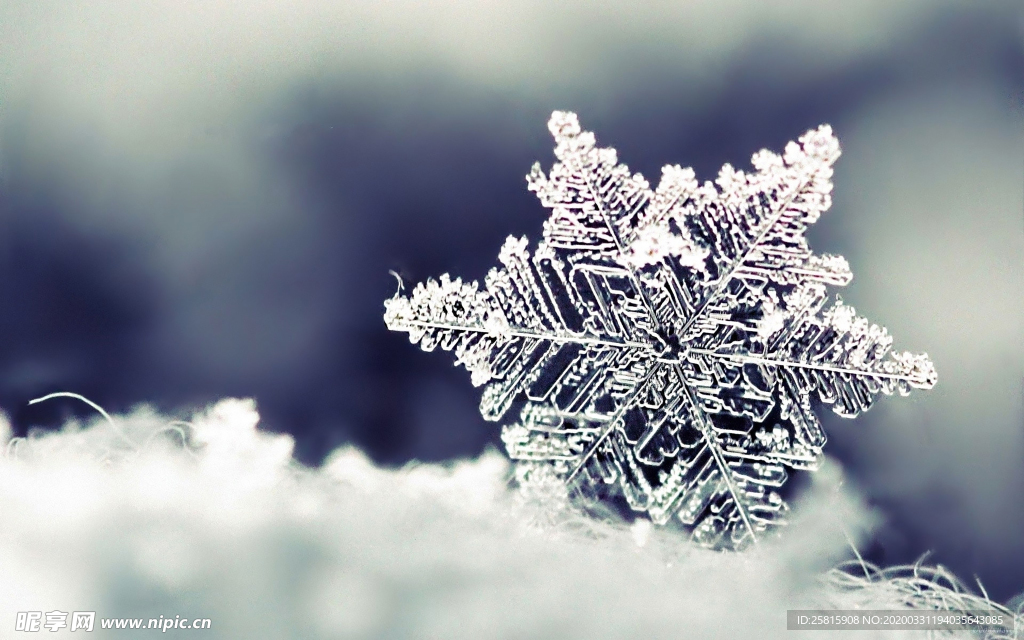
[{"x": 666, "y": 344}]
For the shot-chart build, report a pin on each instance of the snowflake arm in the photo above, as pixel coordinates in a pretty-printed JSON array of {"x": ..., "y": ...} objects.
[{"x": 665, "y": 345}]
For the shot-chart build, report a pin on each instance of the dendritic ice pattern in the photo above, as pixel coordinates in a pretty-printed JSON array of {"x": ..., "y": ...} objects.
[{"x": 665, "y": 345}]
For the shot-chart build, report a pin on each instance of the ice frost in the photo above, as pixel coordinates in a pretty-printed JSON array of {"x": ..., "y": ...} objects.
[{"x": 666, "y": 344}]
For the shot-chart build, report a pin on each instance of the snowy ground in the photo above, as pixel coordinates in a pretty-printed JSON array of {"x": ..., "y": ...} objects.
[{"x": 121, "y": 519}]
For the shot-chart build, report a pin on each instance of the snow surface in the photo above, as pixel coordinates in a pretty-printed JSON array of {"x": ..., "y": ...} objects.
[{"x": 230, "y": 527}]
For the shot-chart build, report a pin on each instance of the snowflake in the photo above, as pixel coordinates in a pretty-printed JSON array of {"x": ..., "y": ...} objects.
[{"x": 665, "y": 345}]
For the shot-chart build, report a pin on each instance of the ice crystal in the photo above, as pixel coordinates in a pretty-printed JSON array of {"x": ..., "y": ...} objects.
[{"x": 665, "y": 345}]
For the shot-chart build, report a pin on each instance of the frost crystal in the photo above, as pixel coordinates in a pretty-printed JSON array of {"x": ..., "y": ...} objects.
[{"x": 665, "y": 345}]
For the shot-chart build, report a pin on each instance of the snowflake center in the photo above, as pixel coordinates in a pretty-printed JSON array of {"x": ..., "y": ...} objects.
[{"x": 669, "y": 347}]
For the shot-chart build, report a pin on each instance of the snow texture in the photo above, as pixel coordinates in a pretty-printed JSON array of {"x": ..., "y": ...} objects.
[
  {"x": 665, "y": 345},
  {"x": 212, "y": 518}
]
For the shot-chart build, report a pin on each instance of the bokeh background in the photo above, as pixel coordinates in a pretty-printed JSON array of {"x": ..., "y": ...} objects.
[{"x": 202, "y": 199}]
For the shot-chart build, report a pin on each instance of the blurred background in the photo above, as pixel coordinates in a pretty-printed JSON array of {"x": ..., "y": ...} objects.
[{"x": 202, "y": 199}]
